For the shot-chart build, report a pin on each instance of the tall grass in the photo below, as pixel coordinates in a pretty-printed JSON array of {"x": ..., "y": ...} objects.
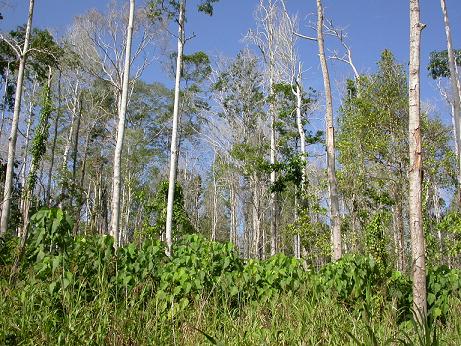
[{"x": 30, "y": 316}]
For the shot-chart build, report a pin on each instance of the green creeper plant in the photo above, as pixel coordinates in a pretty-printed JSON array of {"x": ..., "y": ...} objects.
[{"x": 38, "y": 148}]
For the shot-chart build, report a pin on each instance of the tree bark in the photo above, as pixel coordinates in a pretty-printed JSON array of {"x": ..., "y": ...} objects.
[
  {"x": 302, "y": 149},
  {"x": 174, "y": 133},
  {"x": 26, "y": 144},
  {"x": 414, "y": 198},
  {"x": 233, "y": 213},
  {"x": 7, "y": 193},
  {"x": 273, "y": 150},
  {"x": 75, "y": 143},
  {"x": 455, "y": 86},
  {"x": 24, "y": 205},
  {"x": 65, "y": 156},
  {"x": 399, "y": 235},
  {"x": 53, "y": 146},
  {"x": 115, "y": 220},
  {"x": 35, "y": 165},
  {"x": 214, "y": 225},
  {"x": 330, "y": 143},
  {"x": 256, "y": 236}
]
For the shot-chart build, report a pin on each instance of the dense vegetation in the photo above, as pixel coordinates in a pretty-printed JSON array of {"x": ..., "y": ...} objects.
[
  {"x": 240, "y": 206},
  {"x": 73, "y": 290}
]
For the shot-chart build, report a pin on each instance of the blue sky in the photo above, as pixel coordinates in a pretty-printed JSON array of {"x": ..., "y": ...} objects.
[{"x": 372, "y": 26}]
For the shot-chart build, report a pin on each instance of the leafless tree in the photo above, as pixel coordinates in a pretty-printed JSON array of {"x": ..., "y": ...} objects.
[{"x": 415, "y": 178}]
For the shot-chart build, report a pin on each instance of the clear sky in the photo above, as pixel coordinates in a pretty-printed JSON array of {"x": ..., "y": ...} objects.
[{"x": 372, "y": 26}]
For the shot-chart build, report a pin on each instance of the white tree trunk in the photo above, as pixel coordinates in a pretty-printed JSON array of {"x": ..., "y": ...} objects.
[
  {"x": 302, "y": 149},
  {"x": 115, "y": 220},
  {"x": 273, "y": 197},
  {"x": 330, "y": 143},
  {"x": 65, "y": 155},
  {"x": 174, "y": 133},
  {"x": 233, "y": 213},
  {"x": 14, "y": 126},
  {"x": 455, "y": 86},
  {"x": 27, "y": 139},
  {"x": 299, "y": 123},
  {"x": 256, "y": 234},
  {"x": 53, "y": 146},
  {"x": 414, "y": 198},
  {"x": 214, "y": 225}
]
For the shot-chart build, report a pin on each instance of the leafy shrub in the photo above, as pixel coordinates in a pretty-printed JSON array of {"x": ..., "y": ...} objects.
[
  {"x": 50, "y": 233},
  {"x": 399, "y": 292},
  {"x": 89, "y": 267},
  {"x": 264, "y": 280},
  {"x": 9, "y": 247},
  {"x": 195, "y": 267},
  {"x": 442, "y": 283},
  {"x": 136, "y": 264},
  {"x": 352, "y": 279}
]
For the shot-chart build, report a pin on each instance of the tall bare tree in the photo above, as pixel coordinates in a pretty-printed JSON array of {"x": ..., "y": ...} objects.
[
  {"x": 22, "y": 56},
  {"x": 330, "y": 141},
  {"x": 414, "y": 197},
  {"x": 456, "y": 90},
  {"x": 121, "y": 130},
  {"x": 174, "y": 132},
  {"x": 274, "y": 38},
  {"x": 102, "y": 43}
]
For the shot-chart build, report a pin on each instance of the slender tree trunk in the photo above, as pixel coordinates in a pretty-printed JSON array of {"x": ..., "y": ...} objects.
[
  {"x": 247, "y": 230},
  {"x": 302, "y": 149},
  {"x": 41, "y": 133},
  {"x": 27, "y": 141},
  {"x": 128, "y": 213},
  {"x": 331, "y": 170},
  {"x": 233, "y": 213},
  {"x": 53, "y": 146},
  {"x": 65, "y": 156},
  {"x": 299, "y": 123},
  {"x": 399, "y": 235},
  {"x": 296, "y": 237},
  {"x": 455, "y": 125},
  {"x": 455, "y": 86},
  {"x": 115, "y": 220},
  {"x": 85, "y": 155},
  {"x": 197, "y": 203},
  {"x": 82, "y": 181},
  {"x": 174, "y": 134},
  {"x": 75, "y": 144},
  {"x": 256, "y": 218},
  {"x": 24, "y": 205},
  {"x": 273, "y": 196},
  {"x": 7, "y": 192},
  {"x": 414, "y": 198},
  {"x": 214, "y": 225}
]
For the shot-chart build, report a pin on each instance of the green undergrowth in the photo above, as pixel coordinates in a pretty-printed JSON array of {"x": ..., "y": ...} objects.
[{"x": 79, "y": 290}]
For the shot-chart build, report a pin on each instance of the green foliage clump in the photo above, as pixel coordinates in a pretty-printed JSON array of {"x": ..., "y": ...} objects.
[
  {"x": 50, "y": 233},
  {"x": 181, "y": 221},
  {"x": 442, "y": 284},
  {"x": 40, "y": 138},
  {"x": 376, "y": 239},
  {"x": 438, "y": 63},
  {"x": 66, "y": 281},
  {"x": 353, "y": 279},
  {"x": 450, "y": 226}
]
